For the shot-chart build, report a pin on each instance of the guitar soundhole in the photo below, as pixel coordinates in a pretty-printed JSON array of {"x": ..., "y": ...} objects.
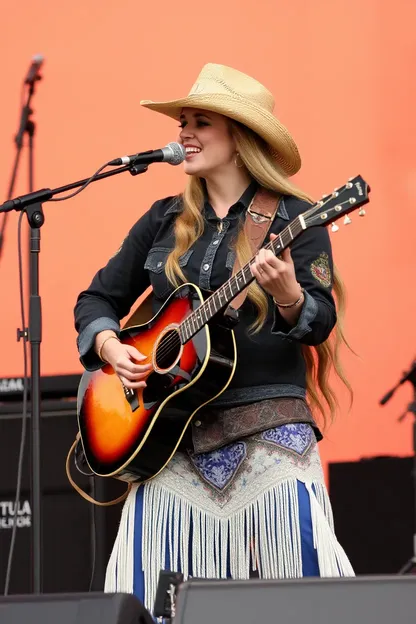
[{"x": 168, "y": 349}]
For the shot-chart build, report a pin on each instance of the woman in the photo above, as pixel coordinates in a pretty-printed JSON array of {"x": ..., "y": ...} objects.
[{"x": 245, "y": 494}]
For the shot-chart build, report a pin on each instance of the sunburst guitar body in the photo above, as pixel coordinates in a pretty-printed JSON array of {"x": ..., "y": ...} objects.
[{"x": 132, "y": 434}]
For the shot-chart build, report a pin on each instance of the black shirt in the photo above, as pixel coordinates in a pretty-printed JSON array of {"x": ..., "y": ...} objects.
[{"x": 270, "y": 363}]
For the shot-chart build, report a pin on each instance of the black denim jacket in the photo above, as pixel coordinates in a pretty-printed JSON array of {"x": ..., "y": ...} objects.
[{"x": 270, "y": 362}]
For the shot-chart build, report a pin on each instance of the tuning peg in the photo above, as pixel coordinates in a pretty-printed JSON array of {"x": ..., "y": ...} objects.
[
  {"x": 347, "y": 220},
  {"x": 334, "y": 227},
  {"x": 361, "y": 212}
]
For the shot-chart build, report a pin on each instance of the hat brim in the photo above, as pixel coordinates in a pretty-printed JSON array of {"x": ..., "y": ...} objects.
[{"x": 261, "y": 121}]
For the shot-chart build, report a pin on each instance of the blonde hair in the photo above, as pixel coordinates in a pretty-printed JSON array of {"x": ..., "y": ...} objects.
[{"x": 189, "y": 225}]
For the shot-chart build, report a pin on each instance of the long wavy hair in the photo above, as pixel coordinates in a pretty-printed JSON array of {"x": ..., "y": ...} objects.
[{"x": 262, "y": 166}]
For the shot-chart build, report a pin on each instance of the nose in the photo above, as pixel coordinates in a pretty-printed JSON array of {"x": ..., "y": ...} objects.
[{"x": 186, "y": 133}]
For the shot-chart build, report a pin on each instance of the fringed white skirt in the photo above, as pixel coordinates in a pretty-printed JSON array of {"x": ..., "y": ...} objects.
[{"x": 256, "y": 507}]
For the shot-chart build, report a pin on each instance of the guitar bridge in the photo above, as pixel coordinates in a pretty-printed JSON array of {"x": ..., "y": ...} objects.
[{"x": 131, "y": 397}]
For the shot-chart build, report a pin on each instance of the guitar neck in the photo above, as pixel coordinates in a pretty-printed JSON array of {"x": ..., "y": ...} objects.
[{"x": 220, "y": 299}]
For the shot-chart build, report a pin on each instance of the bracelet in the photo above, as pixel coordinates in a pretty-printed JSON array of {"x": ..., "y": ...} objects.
[
  {"x": 102, "y": 344},
  {"x": 290, "y": 305}
]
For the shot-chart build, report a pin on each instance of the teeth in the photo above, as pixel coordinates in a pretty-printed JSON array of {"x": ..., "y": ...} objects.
[{"x": 192, "y": 150}]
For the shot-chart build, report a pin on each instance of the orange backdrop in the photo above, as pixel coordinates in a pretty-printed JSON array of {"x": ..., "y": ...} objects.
[{"x": 342, "y": 72}]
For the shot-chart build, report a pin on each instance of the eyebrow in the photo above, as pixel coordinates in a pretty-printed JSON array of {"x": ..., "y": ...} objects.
[{"x": 196, "y": 115}]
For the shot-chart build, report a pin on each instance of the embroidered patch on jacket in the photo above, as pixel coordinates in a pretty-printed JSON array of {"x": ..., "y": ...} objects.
[{"x": 321, "y": 271}]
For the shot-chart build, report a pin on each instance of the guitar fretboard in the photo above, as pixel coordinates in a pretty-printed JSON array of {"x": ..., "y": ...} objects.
[{"x": 231, "y": 288}]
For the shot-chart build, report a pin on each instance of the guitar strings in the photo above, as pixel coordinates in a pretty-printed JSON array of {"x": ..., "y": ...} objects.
[
  {"x": 193, "y": 317},
  {"x": 169, "y": 344},
  {"x": 235, "y": 278}
]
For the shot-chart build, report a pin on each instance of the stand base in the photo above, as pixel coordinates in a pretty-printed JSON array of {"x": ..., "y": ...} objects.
[{"x": 409, "y": 567}]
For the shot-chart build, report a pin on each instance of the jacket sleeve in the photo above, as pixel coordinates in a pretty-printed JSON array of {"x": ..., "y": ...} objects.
[
  {"x": 113, "y": 290},
  {"x": 312, "y": 257}
]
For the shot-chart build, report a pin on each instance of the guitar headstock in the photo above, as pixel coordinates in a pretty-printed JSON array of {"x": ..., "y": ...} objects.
[{"x": 353, "y": 195}]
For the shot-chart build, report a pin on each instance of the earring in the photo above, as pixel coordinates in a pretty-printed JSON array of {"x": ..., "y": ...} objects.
[{"x": 237, "y": 155}]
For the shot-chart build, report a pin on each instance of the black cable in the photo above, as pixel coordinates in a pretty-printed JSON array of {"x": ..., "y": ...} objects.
[
  {"x": 25, "y": 395},
  {"x": 93, "y": 536},
  {"x": 84, "y": 186},
  {"x": 26, "y": 380},
  {"x": 25, "y": 401}
]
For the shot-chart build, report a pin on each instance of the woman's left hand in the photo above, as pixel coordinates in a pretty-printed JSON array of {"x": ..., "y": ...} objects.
[{"x": 277, "y": 275}]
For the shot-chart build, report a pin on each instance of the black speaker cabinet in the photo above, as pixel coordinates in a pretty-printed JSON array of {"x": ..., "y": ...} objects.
[
  {"x": 374, "y": 512},
  {"x": 366, "y": 600},
  {"x": 94, "y": 608},
  {"x": 76, "y": 535}
]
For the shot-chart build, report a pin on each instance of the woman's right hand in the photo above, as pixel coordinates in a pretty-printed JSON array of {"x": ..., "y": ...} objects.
[{"x": 125, "y": 359}]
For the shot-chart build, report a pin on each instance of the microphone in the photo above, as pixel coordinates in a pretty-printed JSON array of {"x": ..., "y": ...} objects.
[
  {"x": 173, "y": 153},
  {"x": 33, "y": 73}
]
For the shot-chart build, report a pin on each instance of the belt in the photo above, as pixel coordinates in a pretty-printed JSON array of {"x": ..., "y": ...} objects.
[{"x": 216, "y": 427}]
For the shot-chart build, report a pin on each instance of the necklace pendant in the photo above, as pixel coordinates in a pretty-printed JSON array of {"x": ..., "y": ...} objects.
[{"x": 219, "y": 226}]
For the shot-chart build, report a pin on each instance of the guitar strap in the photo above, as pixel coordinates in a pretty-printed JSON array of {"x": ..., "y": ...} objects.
[{"x": 259, "y": 217}]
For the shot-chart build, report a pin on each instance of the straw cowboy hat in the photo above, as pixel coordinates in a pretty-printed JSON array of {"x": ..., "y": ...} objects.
[{"x": 231, "y": 93}]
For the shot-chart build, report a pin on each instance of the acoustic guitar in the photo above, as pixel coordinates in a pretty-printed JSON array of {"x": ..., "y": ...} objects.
[{"x": 132, "y": 434}]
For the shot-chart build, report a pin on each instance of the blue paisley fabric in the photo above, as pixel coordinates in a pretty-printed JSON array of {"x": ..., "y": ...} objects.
[{"x": 218, "y": 468}]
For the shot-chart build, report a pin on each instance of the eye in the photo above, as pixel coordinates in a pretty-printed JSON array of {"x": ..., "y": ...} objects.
[{"x": 199, "y": 123}]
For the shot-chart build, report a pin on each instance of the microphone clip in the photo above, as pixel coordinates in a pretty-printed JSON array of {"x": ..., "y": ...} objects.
[{"x": 136, "y": 169}]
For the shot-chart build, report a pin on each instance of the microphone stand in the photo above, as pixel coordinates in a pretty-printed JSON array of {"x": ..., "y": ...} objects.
[
  {"x": 31, "y": 204},
  {"x": 27, "y": 126},
  {"x": 410, "y": 566},
  {"x": 35, "y": 338}
]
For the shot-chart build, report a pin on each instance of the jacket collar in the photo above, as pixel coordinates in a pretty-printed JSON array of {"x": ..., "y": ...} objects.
[{"x": 236, "y": 209}]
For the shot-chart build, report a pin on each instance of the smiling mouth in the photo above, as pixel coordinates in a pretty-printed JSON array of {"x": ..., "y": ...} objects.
[{"x": 192, "y": 151}]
